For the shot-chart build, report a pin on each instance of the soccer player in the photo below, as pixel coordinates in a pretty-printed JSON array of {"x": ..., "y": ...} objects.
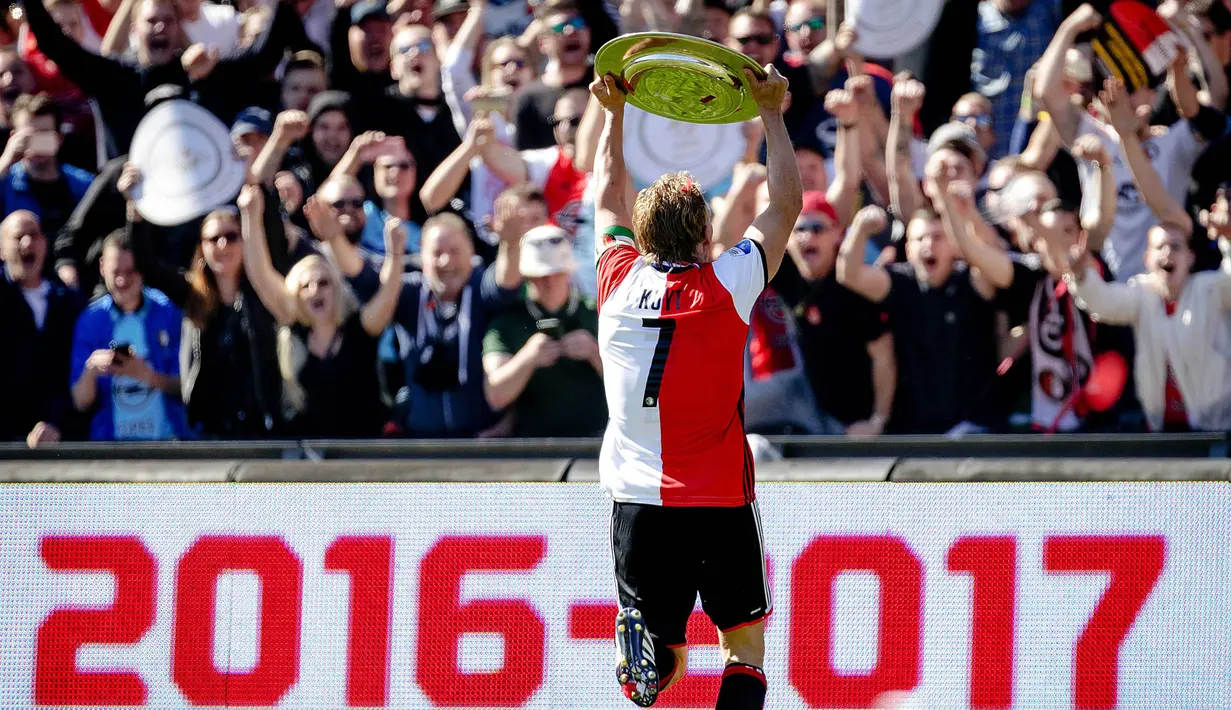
[{"x": 673, "y": 321}]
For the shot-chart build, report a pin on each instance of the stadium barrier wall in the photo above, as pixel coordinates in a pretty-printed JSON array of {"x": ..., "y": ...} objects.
[{"x": 420, "y": 595}]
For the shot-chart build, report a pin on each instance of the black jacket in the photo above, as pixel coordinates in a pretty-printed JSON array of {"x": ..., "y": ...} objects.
[
  {"x": 101, "y": 212},
  {"x": 119, "y": 87},
  {"x": 34, "y": 364},
  {"x": 258, "y": 324}
]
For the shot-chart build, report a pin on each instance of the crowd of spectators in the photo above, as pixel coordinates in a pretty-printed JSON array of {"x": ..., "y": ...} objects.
[{"x": 992, "y": 238}]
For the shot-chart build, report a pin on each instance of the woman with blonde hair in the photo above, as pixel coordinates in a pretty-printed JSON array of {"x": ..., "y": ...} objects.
[{"x": 327, "y": 344}]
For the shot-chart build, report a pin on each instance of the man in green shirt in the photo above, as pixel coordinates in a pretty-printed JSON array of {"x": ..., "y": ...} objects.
[{"x": 541, "y": 358}]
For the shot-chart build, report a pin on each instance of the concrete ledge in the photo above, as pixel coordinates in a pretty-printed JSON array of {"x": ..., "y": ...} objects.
[
  {"x": 1071, "y": 469},
  {"x": 117, "y": 471},
  {"x": 849, "y": 470},
  {"x": 420, "y": 470}
]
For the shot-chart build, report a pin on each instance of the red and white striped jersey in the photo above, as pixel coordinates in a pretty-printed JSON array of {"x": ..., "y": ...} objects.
[{"x": 672, "y": 341}]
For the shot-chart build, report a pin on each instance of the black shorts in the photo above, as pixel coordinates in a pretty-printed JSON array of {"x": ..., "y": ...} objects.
[{"x": 665, "y": 556}]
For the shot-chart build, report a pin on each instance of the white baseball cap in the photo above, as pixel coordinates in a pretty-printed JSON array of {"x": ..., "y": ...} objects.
[{"x": 545, "y": 251}]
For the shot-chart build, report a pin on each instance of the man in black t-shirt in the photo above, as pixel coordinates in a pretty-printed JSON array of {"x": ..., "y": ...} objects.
[
  {"x": 943, "y": 324},
  {"x": 565, "y": 41}
]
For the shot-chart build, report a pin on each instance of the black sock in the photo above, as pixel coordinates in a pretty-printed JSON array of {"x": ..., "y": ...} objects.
[{"x": 743, "y": 688}]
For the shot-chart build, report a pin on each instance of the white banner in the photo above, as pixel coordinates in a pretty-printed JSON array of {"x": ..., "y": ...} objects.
[{"x": 501, "y": 595}]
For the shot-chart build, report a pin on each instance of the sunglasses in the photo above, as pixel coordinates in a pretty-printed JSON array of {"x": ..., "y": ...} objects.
[
  {"x": 569, "y": 121},
  {"x": 814, "y": 24},
  {"x": 813, "y": 227},
  {"x": 230, "y": 237},
  {"x": 515, "y": 61},
  {"x": 576, "y": 23},
  {"x": 982, "y": 120},
  {"x": 423, "y": 46},
  {"x": 400, "y": 165},
  {"x": 319, "y": 284},
  {"x": 763, "y": 39},
  {"x": 354, "y": 204}
]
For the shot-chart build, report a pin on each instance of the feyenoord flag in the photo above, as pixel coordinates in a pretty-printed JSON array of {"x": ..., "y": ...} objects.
[{"x": 1134, "y": 45}]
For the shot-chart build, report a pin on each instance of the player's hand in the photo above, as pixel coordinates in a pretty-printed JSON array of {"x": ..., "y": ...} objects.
[
  {"x": 579, "y": 345},
  {"x": 870, "y": 220},
  {"x": 769, "y": 93},
  {"x": 610, "y": 92},
  {"x": 544, "y": 350}
]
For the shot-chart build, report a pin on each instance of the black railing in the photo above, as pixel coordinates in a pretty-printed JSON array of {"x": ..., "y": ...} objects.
[{"x": 1197, "y": 445}]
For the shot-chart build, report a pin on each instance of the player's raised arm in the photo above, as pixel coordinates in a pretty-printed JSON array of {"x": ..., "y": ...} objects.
[
  {"x": 611, "y": 208},
  {"x": 772, "y": 228}
]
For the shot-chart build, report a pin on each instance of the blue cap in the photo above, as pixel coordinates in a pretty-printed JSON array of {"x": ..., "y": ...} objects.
[
  {"x": 368, "y": 9},
  {"x": 253, "y": 119}
]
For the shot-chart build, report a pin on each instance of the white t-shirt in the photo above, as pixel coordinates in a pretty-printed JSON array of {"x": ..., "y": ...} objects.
[
  {"x": 1172, "y": 154},
  {"x": 217, "y": 27},
  {"x": 37, "y": 298}
]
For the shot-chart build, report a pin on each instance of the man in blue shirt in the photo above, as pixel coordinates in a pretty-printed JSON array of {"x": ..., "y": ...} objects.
[
  {"x": 30, "y": 176},
  {"x": 125, "y": 363},
  {"x": 1012, "y": 37}
]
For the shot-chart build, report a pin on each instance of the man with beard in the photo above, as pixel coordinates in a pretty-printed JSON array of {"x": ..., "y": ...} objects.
[
  {"x": 566, "y": 44},
  {"x": 443, "y": 314},
  {"x": 414, "y": 107},
  {"x": 119, "y": 88},
  {"x": 359, "y": 44},
  {"x": 37, "y": 316}
]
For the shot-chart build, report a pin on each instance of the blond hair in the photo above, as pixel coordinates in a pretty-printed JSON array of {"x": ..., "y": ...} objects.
[
  {"x": 670, "y": 217},
  {"x": 292, "y": 349}
]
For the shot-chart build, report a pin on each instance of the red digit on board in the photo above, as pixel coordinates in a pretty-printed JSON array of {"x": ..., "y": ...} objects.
[
  {"x": 901, "y": 609},
  {"x": 277, "y": 665},
  {"x": 1135, "y": 563},
  {"x": 992, "y": 562},
  {"x": 443, "y": 619},
  {"x": 369, "y": 560},
  {"x": 56, "y": 678}
]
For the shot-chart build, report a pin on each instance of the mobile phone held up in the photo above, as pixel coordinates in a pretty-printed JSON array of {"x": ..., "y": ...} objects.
[
  {"x": 121, "y": 351},
  {"x": 43, "y": 143},
  {"x": 493, "y": 102}
]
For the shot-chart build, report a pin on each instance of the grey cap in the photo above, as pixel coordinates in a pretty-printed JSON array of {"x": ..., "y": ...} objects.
[{"x": 956, "y": 135}]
